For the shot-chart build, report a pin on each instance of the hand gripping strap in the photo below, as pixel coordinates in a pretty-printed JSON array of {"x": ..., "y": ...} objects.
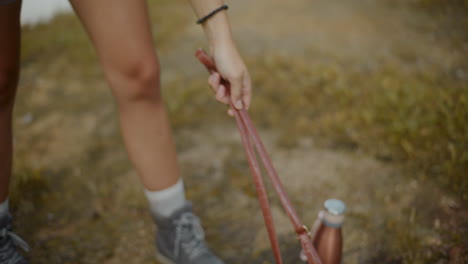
[{"x": 248, "y": 132}]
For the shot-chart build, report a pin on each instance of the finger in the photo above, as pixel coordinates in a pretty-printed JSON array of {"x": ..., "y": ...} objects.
[
  {"x": 236, "y": 91},
  {"x": 225, "y": 98},
  {"x": 221, "y": 95},
  {"x": 247, "y": 91},
  {"x": 214, "y": 81},
  {"x": 231, "y": 112}
]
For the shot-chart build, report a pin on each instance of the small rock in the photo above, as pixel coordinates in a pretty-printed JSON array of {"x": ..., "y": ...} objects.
[
  {"x": 449, "y": 202},
  {"x": 27, "y": 119}
]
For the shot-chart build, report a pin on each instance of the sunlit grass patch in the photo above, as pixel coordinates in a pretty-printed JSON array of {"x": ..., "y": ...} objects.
[{"x": 420, "y": 119}]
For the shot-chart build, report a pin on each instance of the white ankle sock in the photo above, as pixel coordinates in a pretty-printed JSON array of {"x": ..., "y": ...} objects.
[
  {"x": 4, "y": 208},
  {"x": 165, "y": 202}
]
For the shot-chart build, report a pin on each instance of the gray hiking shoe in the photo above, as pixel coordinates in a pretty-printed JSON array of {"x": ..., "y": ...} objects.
[
  {"x": 9, "y": 242},
  {"x": 180, "y": 239}
]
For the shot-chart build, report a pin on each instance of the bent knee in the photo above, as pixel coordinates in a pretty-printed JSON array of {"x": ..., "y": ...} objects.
[
  {"x": 138, "y": 80},
  {"x": 8, "y": 81}
]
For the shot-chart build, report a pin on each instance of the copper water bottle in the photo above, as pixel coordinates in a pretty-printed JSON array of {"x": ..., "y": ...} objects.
[{"x": 329, "y": 240}]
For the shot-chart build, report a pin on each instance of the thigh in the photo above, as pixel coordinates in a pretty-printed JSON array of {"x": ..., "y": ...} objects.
[
  {"x": 10, "y": 30},
  {"x": 120, "y": 31}
]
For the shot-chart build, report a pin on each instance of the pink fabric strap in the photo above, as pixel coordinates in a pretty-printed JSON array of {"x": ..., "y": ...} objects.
[{"x": 248, "y": 134}]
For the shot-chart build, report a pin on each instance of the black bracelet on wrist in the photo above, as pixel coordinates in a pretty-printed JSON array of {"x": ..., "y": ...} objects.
[{"x": 212, "y": 13}]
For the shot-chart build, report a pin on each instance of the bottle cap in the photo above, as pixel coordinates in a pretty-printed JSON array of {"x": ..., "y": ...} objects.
[
  {"x": 335, "y": 206},
  {"x": 334, "y": 214}
]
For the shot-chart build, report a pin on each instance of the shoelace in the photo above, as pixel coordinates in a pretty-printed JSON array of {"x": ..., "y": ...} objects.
[
  {"x": 189, "y": 235},
  {"x": 8, "y": 251}
]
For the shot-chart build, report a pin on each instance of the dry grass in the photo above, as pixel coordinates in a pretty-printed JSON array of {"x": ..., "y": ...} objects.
[
  {"x": 420, "y": 119},
  {"x": 416, "y": 120}
]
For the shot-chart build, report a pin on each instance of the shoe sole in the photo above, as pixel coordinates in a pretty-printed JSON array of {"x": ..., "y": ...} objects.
[{"x": 164, "y": 260}]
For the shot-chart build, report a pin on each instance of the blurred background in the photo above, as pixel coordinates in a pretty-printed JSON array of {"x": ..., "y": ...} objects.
[{"x": 361, "y": 100}]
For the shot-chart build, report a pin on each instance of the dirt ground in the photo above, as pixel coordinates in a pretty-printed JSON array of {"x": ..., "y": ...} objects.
[{"x": 77, "y": 198}]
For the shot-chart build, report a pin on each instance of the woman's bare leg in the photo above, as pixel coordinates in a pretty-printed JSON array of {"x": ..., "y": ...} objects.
[
  {"x": 120, "y": 31},
  {"x": 9, "y": 72}
]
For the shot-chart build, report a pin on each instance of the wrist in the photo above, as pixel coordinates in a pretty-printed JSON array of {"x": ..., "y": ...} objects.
[
  {"x": 217, "y": 30},
  {"x": 218, "y": 42}
]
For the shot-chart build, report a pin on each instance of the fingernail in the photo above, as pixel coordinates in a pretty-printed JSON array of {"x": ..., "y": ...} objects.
[{"x": 238, "y": 104}]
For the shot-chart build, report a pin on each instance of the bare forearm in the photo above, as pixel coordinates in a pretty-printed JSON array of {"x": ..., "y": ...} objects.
[
  {"x": 228, "y": 61},
  {"x": 217, "y": 28}
]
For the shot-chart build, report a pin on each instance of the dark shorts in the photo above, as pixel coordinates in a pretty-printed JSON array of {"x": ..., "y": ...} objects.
[{"x": 4, "y": 2}]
